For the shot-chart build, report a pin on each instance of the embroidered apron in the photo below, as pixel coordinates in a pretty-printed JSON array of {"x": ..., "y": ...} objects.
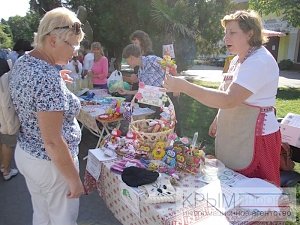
[
  {"x": 236, "y": 136},
  {"x": 237, "y": 128}
]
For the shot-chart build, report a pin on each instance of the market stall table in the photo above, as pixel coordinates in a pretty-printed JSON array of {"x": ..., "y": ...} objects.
[
  {"x": 89, "y": 119},
  {"x": 134, "y": 211}
]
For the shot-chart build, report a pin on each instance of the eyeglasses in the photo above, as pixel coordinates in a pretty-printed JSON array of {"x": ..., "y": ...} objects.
[
  {"x": 74, "y": 47},
  {"x": 76, "y": 28}
]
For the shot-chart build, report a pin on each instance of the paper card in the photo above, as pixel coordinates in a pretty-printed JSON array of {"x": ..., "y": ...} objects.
[
  {"x": 95, "y": 157},
  {"x": 169, "y": 50},
  {"x": 151, "y": 95},
  {"x": 131, "y": 197}
]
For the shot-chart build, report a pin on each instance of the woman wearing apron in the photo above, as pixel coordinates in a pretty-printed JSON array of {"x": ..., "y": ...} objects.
[{"x": 246, "y": 129}]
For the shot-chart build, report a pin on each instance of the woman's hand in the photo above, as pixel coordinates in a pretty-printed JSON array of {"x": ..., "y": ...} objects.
[
  {"x": 76, "y": 189},
  {"x": 172, "y": 83},
  {"x": 65, "y": 76},
  {"x": 90, "y": 74},
  {"x": 212, "y": 131},
  {"x": 122, "y": 91}
]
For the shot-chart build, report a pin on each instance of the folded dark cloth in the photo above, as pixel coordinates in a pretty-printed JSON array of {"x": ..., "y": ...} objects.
[{"x": 134, "y": 176}]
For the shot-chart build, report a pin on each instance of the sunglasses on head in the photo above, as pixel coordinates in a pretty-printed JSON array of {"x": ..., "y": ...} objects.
[{"x": 76, "y": 28}]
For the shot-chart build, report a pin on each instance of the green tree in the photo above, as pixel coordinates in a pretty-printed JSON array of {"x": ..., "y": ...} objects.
[
  {"x": 113, "y": 21},
  {"x": 43, "y": 6},
  {"x": 5, "y": 36},
  {"x": 290, "y": 9},
  {"x": 191, "y": 23},
  {"x": 176, "y": 25},
  {"x": 209, "y": 15},
  {"x": 24, "y": 27}
]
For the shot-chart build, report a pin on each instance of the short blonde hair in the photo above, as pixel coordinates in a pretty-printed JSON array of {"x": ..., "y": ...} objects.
[
  {"x": 56, "y": 18},
  {"x": 98, "y": 46},
  {"x": 248, "y": 20}
]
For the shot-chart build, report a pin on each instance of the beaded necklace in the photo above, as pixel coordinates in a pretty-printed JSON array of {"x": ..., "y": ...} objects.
[{"x": 249, "y": 53}]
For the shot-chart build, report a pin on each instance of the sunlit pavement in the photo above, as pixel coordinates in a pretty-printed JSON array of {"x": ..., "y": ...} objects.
[{"x": 214, "y": 74}]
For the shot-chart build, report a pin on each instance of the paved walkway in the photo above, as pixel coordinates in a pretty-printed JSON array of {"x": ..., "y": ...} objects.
[{"x": 214, "y": 74}]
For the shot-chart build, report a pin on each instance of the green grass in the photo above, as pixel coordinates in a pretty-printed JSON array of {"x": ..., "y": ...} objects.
[
  {"x": 288, "y": 100},
  {"x": 195, "y": 116}
]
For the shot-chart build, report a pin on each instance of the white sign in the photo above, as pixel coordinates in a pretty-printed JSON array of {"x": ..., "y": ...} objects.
[
  {"x": 151, "y": 95},
  {"x": 131, "y": 197},
  {"x": 277, "y": 25},
  {"x": 169, "y": 50}
]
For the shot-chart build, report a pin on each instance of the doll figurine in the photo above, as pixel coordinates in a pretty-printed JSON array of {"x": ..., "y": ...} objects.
[
  {"x": 170, "y": 158},
  {"x": 159, "y": 150}
]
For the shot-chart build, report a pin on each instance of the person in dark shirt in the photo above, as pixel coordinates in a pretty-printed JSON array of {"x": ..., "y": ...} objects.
[{"x": 3, "y": 66}]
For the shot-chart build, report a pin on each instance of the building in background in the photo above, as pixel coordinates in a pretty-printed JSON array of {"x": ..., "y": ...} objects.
[{"x": 285, "y": 44}]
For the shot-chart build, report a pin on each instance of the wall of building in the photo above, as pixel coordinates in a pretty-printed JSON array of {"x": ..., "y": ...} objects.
[
  {"x": 288, "y": 45},
  {"x": 283, "y": 48}
]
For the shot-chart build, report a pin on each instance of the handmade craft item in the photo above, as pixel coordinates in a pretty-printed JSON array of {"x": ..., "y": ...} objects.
[
  {"x": 168, "y": 64},
  {"x": 159, "y": 191},
  {"x": 150, "y": 131},
  {"x": 159, "y": 150}
]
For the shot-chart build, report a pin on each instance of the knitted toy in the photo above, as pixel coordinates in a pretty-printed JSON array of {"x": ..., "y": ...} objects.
[
  {"x": 159, "y": 191},
  {"x": 159, "y": 150},
  {"x": 170, "y": 158}
]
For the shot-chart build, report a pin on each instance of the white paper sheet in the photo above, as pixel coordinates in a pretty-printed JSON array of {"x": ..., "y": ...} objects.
[{"x": 258, "y": 194}]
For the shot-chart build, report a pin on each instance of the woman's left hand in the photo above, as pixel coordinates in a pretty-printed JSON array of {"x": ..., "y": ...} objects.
[{"x": 65, "y": 76}]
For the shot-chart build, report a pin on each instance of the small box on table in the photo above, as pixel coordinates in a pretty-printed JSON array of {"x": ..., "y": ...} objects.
[{"x": 290, "y": 129}]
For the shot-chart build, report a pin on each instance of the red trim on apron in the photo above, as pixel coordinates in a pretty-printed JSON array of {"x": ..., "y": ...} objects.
[
  {"x": 228, "y": 77},
  {"x": 266, "y": 159},
  {"x": 261, "y": 119}
]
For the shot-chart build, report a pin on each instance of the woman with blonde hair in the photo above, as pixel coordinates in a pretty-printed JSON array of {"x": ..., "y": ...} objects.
[
  {"x": 246, "y": 125},
  {"x": 99, "y": 71},
  {"x": 47, "y": 148}
]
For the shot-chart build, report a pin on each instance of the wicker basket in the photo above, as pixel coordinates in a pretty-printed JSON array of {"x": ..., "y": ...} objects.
[{"x": 150, "y": 138}]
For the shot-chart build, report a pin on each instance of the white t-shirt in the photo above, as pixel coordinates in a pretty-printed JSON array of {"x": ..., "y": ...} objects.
[
  {"x": 88, "y": 61},
  {"x": 259, "y": 73},
  {"x": 71, "y": 66}
]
